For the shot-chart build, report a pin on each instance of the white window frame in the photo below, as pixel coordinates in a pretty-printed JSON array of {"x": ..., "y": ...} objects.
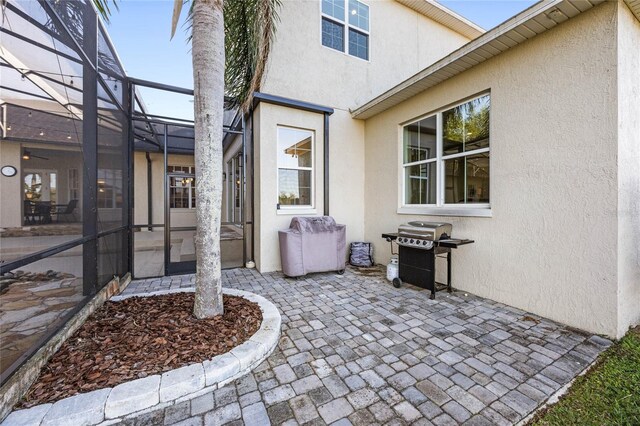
[
  {"x": 190, "y": 184},
  {"x": 440, "y": 208},
  {"x": 346, "y": 25},
  {"x": 303, "y": 208},
  {"x": 110, "y": 176}
]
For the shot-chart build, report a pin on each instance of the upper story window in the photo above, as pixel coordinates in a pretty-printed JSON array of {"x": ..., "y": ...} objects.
[
  {"x": 295, "y": 167},
  {"x": 352, "y": 15},
  {"x": 445, "y": 159}
]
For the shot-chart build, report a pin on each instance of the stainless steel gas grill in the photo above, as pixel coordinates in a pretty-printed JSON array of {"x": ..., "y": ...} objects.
[{"x": 420, "y": 243}]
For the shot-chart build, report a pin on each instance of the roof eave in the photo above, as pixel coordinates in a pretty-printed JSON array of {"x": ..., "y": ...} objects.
[
  {"x": 634, "y": 6},
  {"x": 445, "y": 16},
  {"x": 482, "y": 49}
]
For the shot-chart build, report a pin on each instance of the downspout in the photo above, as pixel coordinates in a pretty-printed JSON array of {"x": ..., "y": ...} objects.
[
  {"x": 326, "y": 163},
  {"x": 149, "y": 195},
  {"x": 244, "y": 191},
  {"x": 253, "y": 189}
]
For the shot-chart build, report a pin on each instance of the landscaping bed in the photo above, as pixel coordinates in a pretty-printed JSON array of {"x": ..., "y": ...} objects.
[
  {"x": 138, "y": 337},
  {"x": 609, "y": 394}
]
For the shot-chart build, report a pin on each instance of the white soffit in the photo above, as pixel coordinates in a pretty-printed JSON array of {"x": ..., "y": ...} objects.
[
  {"x": 634, "y": 5},
  {"x": 444, "y": 16},
  {"x": 533, "y": 21}
]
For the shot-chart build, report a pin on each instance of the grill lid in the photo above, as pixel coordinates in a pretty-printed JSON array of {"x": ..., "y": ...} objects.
[{"x": 425, "y": 230}]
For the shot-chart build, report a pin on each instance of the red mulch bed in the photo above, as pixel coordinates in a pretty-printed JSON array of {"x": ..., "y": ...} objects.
[{"x": 139, "y": 337}]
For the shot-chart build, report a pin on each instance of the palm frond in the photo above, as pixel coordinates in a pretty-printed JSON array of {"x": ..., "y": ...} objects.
[
  {"x": 103, "y": 8},
  {"x": 250, "y": 28},
  {"x": 177, "y": 10}
]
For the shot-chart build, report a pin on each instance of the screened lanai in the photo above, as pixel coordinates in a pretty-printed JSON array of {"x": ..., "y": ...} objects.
[{"x": 95, "y": 185}]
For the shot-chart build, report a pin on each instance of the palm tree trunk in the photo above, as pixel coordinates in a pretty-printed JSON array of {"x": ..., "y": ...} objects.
[{"x": 208, "y": 82}]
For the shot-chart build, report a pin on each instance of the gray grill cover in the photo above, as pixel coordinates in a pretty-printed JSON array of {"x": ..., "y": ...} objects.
[{"x": 313, "y": 244}]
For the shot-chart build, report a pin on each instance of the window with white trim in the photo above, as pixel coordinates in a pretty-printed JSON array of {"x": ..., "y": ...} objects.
[
  {"x": 295, "y": 167},
  {"x": 182, "y": 189},
  {"x": 445, "y": 159},
  {"x": 109, "y": 188},
  {"x": 352, "y": 14}
]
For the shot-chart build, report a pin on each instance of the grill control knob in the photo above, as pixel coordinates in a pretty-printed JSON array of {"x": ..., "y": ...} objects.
[
  {"x": 424, "y": 243},
  {"x": 411, "y": 241}
]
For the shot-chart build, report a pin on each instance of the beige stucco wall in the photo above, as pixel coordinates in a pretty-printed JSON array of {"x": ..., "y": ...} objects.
[
  {"x": 60, "y": 160},
  {"x": 401, "y": 43},
  {"x": 629, "y": 169},
  {"x": 10, "y": 187},
  {"x": 551, "y": 244},
  {"x": 268, "y": 218}
]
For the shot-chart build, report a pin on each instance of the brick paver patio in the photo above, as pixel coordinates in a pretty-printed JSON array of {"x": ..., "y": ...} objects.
[{"x": 355, "y": 350}]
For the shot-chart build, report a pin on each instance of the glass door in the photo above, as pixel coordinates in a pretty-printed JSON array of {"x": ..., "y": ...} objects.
[
  {"x": 180, "y": 219},
  {"x": 232, "y": 231},
  {"x": 40, "y": 194}
]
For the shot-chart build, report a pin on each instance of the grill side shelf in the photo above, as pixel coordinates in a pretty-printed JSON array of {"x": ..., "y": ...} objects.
[{"x": 454, "y": 242}]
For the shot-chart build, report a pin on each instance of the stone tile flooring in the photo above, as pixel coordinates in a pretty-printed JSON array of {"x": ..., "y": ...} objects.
[
  {"x": 355, "y": 350},
  {"x": 32, "y": 305}
]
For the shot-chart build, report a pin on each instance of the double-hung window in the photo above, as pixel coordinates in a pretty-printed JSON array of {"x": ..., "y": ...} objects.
[
  {"x": 182, "y": 189},
  {"x": 295, "y": 168},
  {"x": 352, "y": 15},
  {"x": 445, "y": 160}
]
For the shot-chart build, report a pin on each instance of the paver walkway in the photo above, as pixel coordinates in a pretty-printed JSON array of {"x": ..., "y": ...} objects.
[{"x": 355, "y": 350}]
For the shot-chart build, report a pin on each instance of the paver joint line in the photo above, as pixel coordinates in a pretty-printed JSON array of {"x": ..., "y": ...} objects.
[{"x": 354, "y": 350}]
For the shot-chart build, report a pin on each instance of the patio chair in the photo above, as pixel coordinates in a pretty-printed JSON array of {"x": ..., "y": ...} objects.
[
  {"x": 42, "y": 211},
  {"x": 29, "y": 212},
  {"x": 66, "y": 211}
]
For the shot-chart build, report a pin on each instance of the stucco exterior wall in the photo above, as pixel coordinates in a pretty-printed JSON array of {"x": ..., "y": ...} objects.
[
  {"x": 60, "y": 161},
  {"x": 268, "y": 218},
  {"x": 551, "y": 244},
  {"x": 401, "y": 42},
  {"x": 628, "y": 169},
  {"x": 346, "y": 173},
  {"x": 10, "y": 187}
]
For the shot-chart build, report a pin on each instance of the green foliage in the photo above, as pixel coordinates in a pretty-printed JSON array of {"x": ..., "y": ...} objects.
[
  {"x": 250, "y": 27},
  {"x": 103, "y": 8},
  {"x": 608, "y": 395}
]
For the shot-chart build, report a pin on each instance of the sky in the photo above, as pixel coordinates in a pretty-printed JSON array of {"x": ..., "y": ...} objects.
[{"x": 141, "y": 31}]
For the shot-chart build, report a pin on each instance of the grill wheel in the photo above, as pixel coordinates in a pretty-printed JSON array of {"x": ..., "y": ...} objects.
[{"x": 397, "y": 282}]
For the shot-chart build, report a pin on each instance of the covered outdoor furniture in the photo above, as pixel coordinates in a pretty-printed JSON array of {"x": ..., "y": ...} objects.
[
  {"x": 66, "y": 210},
  {"x": 313, "y": 244}
]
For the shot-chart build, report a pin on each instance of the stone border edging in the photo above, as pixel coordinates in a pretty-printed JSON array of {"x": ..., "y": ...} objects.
[
  {"x": 131, "y": 399},
  {"x": 25, "y": 376}
]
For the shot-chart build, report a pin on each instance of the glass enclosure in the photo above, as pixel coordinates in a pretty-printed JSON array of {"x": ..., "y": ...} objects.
[
  {"x": 164, "y": 229},
  {"x": 64, "y": 216},
  {"x": 94, "y": 184}
]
